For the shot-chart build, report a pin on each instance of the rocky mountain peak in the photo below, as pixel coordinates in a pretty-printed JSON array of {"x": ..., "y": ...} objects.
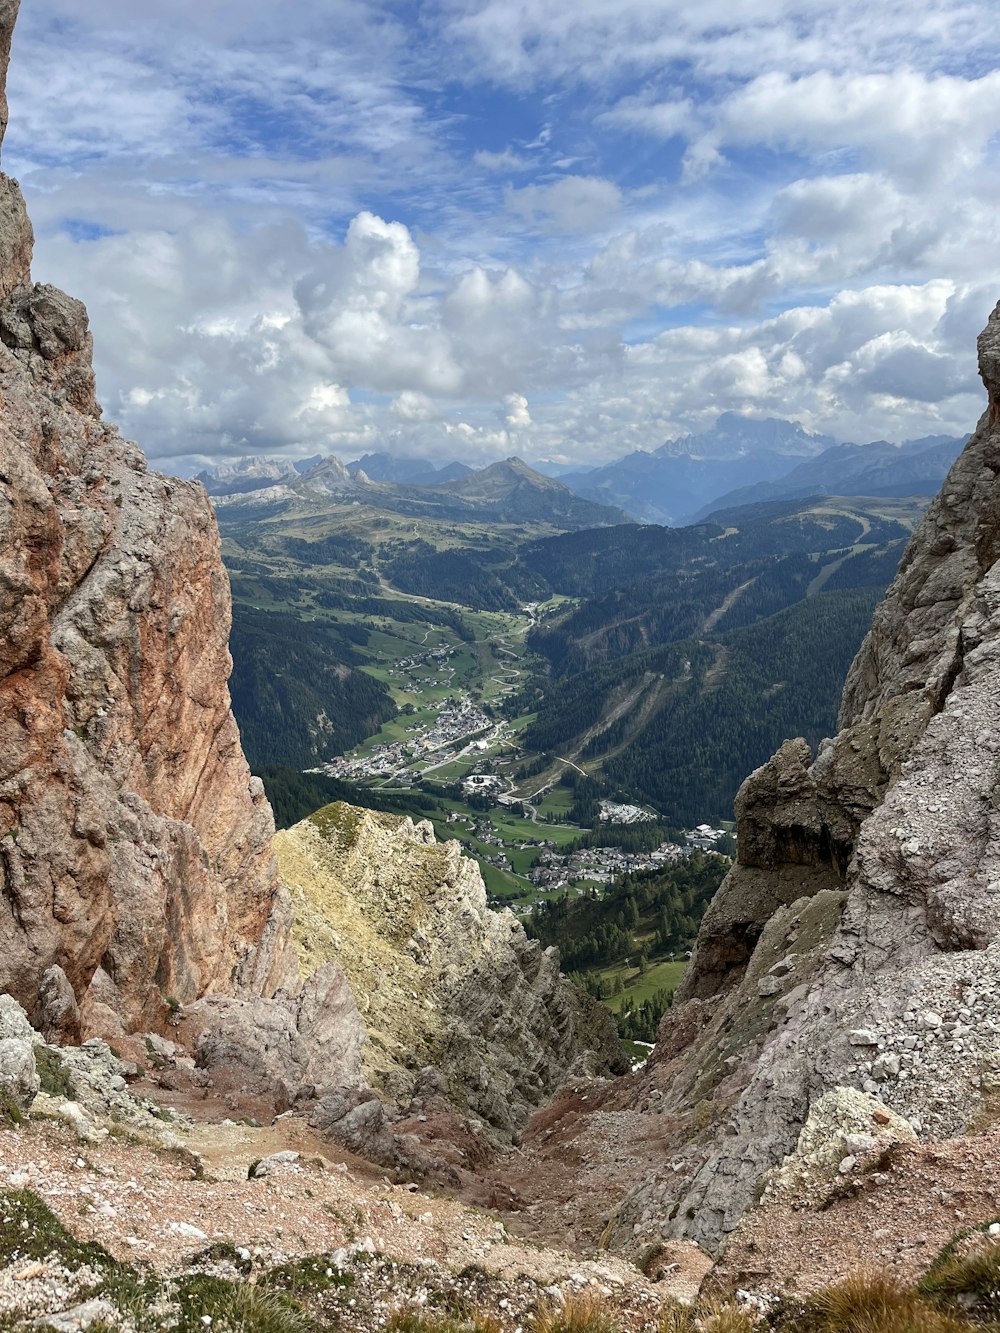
[
  {"x": 16, "y": 236},
  {"x": 989, "y": 363},
  {"x": 135, "y": 860},
  {"x": 445, "y": 985},
  {"x": 8, "y": 16}
]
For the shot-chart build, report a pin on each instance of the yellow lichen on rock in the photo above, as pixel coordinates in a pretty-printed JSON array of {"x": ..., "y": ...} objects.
[{"x": 440, "y": 979}]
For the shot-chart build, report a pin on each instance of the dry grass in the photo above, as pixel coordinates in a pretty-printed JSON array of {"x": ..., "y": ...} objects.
[
  {"x": 586, "y": 1313},
  {"x": 873, "y": 1303},
  {"x": 425, "y": 1321},
  {"x": 971, "y": 1279},
  {"x": 707, "y": 1318}
]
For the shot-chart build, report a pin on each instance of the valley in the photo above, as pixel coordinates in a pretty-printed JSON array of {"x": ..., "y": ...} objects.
[
  {"x": 576, "y": 708},
  {"x": 434, "y": 901}
]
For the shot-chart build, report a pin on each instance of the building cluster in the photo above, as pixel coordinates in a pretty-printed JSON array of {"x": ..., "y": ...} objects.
[
  {"x": 614, "y": 812},
  {"x": 600, "y": 865},
  {"x": 458, "y": 721},
  {"x": 704, "y": 837}
]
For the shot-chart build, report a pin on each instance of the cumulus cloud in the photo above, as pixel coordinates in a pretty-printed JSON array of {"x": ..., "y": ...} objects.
[
  {"x": 916, "y": 126},
  {"x": 295, "y": 231},
  {"x": 517, "y": 415}
]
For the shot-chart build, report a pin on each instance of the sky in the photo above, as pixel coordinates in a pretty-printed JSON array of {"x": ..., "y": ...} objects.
[{"x": 562, "y": 229}]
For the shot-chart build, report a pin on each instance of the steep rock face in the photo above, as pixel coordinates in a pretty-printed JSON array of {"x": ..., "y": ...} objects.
[
  {"x": 440, "y": 979},
  {"x": 857, "y": 942},
  {"x": 134, "y": 844}
]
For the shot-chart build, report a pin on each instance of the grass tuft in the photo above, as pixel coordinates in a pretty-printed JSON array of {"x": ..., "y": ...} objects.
[
  {"x": 710, "y": 1318},
  {"x": 969, "y": 1279},
  {"x": 309, "y": 1274},
  {"x": 423, "y": 1321},
  {"x": 866, "y": 1303},
  {"x": 586, "y": 1313}
]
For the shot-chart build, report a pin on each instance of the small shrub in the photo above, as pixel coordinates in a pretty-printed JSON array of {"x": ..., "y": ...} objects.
[{"x": 53, "y": 1073}]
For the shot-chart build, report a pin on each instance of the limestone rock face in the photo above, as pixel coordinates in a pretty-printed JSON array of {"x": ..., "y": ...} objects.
[
  {"x": 134, "y": 844},
  {"x": 856, "y": 944},
  {"x": 293, "y": 1043},
  {"x": 440, "y": 979}
]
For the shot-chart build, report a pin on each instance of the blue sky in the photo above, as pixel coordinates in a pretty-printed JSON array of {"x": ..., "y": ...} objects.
[{"x": 471, "y": 228}]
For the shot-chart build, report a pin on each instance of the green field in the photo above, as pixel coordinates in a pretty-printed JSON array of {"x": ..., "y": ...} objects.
[{"x": 639, "y": 986}]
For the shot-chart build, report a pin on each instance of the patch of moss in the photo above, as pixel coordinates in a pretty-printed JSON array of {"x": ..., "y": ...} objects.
[
  {"x": 222, "y": 1251},
  {"x": 10, "y": 1112},
  {"x": 339, "y": 822},
  {"x": 310, "y": 1274},
  {"x": 30, "y": 1230}
]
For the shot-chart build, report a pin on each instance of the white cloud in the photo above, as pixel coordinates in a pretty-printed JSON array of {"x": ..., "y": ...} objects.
[
  {"x": 292, "y": 235},
  {"x": 517, "y": 416},
  {"x": 917, "y": 127},
  {"x": 504, "y": 161},
  {"x": 662, "y": 119},
  {"x": 569, "y": 205}
]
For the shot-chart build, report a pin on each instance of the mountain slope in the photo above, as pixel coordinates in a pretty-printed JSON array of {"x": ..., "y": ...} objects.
[
  {"x": 445, "y": 985},
  {"x": 506, "y": 492},
  {"x": 850, "y": 959}
]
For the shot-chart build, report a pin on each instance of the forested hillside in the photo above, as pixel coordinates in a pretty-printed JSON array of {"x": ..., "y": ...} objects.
[
  {"x": 698, "y": 651},
  {"x": 627, "y": 945},
  {"x": 661, "y": 664},
  {"x": 296, "y": 690}
]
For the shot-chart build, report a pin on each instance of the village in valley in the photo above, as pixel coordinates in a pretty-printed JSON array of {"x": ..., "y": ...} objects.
[{"x": 456, "y": 745}]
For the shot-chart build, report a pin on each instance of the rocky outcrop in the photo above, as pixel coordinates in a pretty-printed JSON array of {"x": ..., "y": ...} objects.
[
  {"x": 856, "y": 945},
  {"x": 85, "y": 1087},
  {"x": 296, "y": 1045},
  {"x": 134, "y": 845},
  {"x": 441, "y": 980}
]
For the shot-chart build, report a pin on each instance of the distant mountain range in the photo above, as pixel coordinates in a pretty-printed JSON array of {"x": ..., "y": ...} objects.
[
  {"x": 671, "y": 483},
  {"x": 917, "y": 467},
  {"x": 407, "y": 471},
  {"x": 508, "y": 492},
  {"x": 738, "y": 461}
]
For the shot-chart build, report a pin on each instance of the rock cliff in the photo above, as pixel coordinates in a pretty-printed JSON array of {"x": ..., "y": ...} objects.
[
  {"x": 441, "y": 980},
  {"x": 135, "y": 859},
  {"x": 856, "y": 944}
]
